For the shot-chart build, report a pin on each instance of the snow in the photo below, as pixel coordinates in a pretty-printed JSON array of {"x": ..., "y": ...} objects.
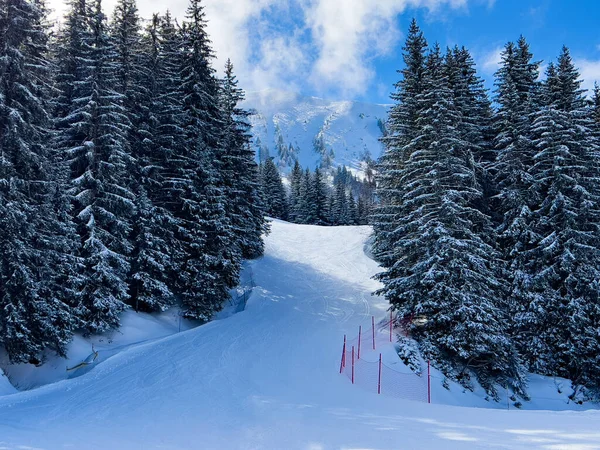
[
  {"x": 136, "y": 328},
  {"x": 349, "y": 128},
  {"x": 268, "y": 377},
  {"x": 5, "y": 386}
]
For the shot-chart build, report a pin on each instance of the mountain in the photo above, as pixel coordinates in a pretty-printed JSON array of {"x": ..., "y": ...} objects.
[{"x": 317, "y": 132}]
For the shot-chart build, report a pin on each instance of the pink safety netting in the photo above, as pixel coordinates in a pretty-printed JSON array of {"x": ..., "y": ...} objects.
[{"x": 366, "y": 370}]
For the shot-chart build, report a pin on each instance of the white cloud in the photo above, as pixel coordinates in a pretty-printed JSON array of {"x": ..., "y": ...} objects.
[
  {"x": 280, "y": 60},
  {"x": 328, "y": 44},
  {"x": 490, "y": 62},
  {"x": 229, "y": 31},
  {"x": 348, "y": 37},
  {"x": 590, "y": 72}
]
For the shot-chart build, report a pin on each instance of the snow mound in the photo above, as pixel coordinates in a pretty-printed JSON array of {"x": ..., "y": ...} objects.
[{"x": 5, "y": 385}]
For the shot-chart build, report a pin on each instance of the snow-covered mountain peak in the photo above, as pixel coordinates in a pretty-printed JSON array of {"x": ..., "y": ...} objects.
[{"x": 314, "y": 131}]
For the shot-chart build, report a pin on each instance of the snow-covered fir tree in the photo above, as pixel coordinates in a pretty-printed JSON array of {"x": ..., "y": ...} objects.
[
  {"x": 306, "y": 205},
  {"x": 146, "y": 192},
  {"x": 564, "y": 310},
  {"x": 92, "y": 131},
  {"x": 444, "y": 272},
  {"x": 595, "y": 110},
  {"x": 240, "y": 172},
  {"x": 339, "y": 207},
  {"x": 319, "y": 198},
  {"x": 472, "y": 103},
  {"x": 155, "y": 253},
  {"x": 402, "y": 128},
  {"x": 273, "y": 190},
  {"x": 37, "y": 273},
  {"x": 516, "y": 87},
  {"x": 295, "y": 185},
  {"x": 212, "y": 264}
]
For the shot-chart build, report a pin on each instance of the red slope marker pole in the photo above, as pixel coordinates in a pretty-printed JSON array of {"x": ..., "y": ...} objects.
[
  {"x": 344, "y": 357},
  {"x": 373, "y": 328},
  {"x": 353, "y": 364},
  {"x": 379, "y": 379},
  {"x": 359, "y": 338},
  {"x": 343, "y": 354},
  {"x": 428, "y": 382}
]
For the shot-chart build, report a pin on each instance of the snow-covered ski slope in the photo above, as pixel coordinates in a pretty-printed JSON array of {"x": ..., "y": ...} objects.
[{"x": 267, "y": 378}]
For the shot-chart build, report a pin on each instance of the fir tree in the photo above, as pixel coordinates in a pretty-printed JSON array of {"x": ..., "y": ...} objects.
[
  {"x": 211, "y": 265},
  {"x": 37, "y": 274},
  {"x": 472, "y": 103},
  {"x": 295, "y": 185},
  {"x": 443, "y": 271},
  {"x": 92, "y": 130},
  {"x": 319, "y": 199},
  {"x": 155, "y": 252},
  {"x": 240, "y": 172},
  {"x": 286, "y": 153},
  {"x": 273, "y": 191},
  {"x": 596, "y": 104},
  {"x": 563, "y": 261},
  {"x": 516, "y": 87},
  {"x": 352, "y": 210},
  {"x": 307, "y": 211},
  {"x": 339, "y": 207},
  {"x": 402, "y": 128}
]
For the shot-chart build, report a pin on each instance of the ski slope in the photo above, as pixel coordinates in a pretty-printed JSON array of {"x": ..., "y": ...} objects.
[{"x": 267, "y": 378}]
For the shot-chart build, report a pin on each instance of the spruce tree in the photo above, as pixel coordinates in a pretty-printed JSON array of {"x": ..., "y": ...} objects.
[
  {"x": 472, "y": 103},
  {"x": 155, "y": 254},
  {"x": 307, "y": 208},
  {"x": 444, "y": 272},
  {"x": 516, "y": 87},
  {"x": 339, "y": 207},
  {"x": 352, "y": 210},
  {"x": 92, "y": 130},
  {"x": 240, "y": 172},
  {"x": 596, "y": 104},
  {"x": 37, "y": 273},
  {"x": 564, "y": 284},
  {"x": 402, "y": 128},
  {"x": 273, "y": 191},
  {"x": 295, "y": 185},
  {"x": 211, "y": 266},
  {"x": 319, "y": 192}
]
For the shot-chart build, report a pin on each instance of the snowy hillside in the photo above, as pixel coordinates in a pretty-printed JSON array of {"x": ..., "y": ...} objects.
[
  {"x": 268, "y": 377},
  {"x": 320, "y": 132}
]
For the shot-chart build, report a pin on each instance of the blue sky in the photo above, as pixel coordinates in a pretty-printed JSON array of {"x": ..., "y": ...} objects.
[
  {"x": 351, "y": 49},
  {"x": 484, "y": 29}
]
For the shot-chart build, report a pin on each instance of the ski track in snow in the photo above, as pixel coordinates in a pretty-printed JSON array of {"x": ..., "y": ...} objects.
[{"x": 267, "y": 378}]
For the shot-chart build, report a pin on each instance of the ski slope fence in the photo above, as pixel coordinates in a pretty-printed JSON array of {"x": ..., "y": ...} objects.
[{"x": 362, "y": 364}]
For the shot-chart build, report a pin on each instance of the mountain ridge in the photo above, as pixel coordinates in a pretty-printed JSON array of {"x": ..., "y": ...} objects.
[{"x": 315, "y": 131}]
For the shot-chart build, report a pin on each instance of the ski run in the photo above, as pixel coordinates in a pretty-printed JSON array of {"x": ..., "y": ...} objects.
[{"x": 268, "y": 377}]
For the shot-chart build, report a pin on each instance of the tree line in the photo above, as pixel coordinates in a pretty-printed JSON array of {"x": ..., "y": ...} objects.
[
  {"x": 489, "y": 216},
  {"x": 127, "y": 178},
  {"x": 317, "y": 198}
]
